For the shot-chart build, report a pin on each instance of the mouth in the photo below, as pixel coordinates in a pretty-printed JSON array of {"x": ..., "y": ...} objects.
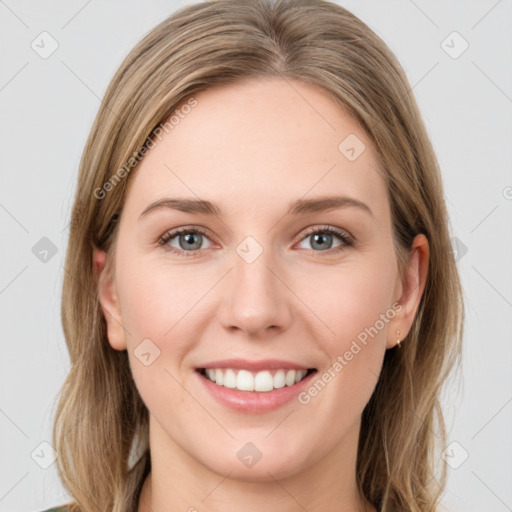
[{"x": 261, "y": 381}]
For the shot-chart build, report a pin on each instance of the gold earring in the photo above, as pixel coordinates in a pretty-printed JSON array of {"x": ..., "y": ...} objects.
[{"x": 398, "y": 341}]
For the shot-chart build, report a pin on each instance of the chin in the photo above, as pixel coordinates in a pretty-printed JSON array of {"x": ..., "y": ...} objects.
[
  {"x": 259, "y": 461},
  {"x": 262, "y": 471}
]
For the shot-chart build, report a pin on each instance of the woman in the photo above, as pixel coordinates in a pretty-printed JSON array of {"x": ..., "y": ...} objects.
[{"x": 260, "y": 302}]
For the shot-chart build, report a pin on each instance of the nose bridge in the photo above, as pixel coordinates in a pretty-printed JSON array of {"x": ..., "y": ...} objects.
[{"x": 256, "y": 300}]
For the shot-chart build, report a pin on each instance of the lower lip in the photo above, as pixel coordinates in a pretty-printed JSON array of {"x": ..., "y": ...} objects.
[{"x": 254, "y": 401}]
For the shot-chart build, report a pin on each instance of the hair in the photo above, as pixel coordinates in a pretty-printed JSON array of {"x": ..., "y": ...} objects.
[{"x": 101, "y": 424}]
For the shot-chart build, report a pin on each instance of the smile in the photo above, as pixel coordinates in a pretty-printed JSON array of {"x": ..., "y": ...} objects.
[{"x": 261, "y": 381}]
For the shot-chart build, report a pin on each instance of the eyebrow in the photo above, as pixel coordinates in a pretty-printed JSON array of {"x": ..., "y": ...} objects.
[{"x": 297, "y": 207}]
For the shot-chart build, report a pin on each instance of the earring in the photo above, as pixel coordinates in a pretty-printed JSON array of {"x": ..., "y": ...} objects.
[{"x": 398, "y": 341}]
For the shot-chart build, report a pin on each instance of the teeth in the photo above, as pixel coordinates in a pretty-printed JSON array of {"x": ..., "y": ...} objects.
[
  {"x": 229, "y": 379},
  {"x": 279, "y": 379},
  {"x": 244, "y": 381},
  {"x": 262, "y": 381},
  {"x": 290, "y": 378}
]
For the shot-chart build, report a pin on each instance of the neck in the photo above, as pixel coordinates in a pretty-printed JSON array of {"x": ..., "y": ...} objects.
[{"x": 179, "y": 482}]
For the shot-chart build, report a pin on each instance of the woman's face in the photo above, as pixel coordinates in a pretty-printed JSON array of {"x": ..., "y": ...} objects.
[{"x": 257, "y": 168}]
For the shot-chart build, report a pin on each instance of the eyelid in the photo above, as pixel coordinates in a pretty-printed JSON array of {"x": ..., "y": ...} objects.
[
  {"x": 346, "y": 238},
  {"x": 344, "y": 235},
  {"x": 172, "y": 233}
]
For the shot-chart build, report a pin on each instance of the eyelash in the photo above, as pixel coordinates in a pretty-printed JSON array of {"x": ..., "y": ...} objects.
[{"x": 345, "y": 238}]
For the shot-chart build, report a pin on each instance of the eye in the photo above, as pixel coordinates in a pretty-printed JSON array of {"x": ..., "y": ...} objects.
[
  {"x": 324, "y": 239},
  {"x": 185, "y": 241},
  {"x": 189, "y": 241}
]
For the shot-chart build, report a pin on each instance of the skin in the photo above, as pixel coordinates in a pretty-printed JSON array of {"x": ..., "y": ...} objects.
[{"x": 252, "y": 148}]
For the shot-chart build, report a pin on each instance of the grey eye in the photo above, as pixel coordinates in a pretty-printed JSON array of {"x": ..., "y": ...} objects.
[
  {"x": 188, "y": 241},
  {"x": 321, "y": 241}
]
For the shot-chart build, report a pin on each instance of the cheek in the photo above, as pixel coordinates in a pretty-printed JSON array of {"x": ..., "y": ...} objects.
[
  {"x": 157, "y": 308},
  {"x": 160, "y": 313},
  {"x": 351, "y": 300},
  {"x": 355, "y": 308},
  {"x": 155, "y": 299}
]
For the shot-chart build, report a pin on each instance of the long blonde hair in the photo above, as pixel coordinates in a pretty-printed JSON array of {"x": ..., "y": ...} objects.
[{"x": 101, "y": 424}]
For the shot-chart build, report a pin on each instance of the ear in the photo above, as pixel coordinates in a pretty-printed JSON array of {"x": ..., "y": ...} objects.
[
  {"x": 108, "y": 298},
  {"x": 409, "y": 290}
]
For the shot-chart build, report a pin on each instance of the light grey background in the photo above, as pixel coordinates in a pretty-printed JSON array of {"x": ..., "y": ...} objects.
[{"x": 47, "y": 108}]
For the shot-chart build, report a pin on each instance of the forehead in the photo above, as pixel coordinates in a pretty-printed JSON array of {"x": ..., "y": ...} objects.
[{"x": 259, "y": 143}]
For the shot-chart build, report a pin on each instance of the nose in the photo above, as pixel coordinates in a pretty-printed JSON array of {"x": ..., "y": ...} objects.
[{"x": 256, "y": 301}]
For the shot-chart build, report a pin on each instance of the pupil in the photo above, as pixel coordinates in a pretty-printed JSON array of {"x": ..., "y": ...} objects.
[
  {"x": 318, "y": 238},
  {"x": 189, "y": 241},
  {"x": 319, "y": 241}
]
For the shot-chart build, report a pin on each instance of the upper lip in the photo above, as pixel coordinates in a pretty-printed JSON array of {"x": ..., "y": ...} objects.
[{"x": 255, "y": 366}]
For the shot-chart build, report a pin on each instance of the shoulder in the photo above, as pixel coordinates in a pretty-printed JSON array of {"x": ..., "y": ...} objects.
[{"x": 62, "y": 508}]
